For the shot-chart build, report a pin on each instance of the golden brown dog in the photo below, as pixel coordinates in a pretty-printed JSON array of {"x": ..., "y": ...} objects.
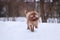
[{"x": 32, "y": 19}]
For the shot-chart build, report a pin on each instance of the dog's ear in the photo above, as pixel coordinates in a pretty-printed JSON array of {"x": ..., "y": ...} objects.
[{"x": 26, "y": 12}]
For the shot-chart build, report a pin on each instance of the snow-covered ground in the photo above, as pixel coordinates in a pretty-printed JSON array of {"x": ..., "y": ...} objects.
[
  {"x": 49, "y": 20},
  {"x": 16, "y": 30}
]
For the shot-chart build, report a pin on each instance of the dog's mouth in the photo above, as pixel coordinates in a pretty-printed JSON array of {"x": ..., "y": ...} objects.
[{"x": 33, "y": 18}]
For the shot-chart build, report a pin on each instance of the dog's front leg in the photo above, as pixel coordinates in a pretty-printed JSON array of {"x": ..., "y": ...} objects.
[
  {"x": 31, "y": 27},
  {"x": 36, "y": 24}
]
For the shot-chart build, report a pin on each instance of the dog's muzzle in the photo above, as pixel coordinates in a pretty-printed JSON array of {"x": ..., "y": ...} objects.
[{"x": 33, "y": 18}]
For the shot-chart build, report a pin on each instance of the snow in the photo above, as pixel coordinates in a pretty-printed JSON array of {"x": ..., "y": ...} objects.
[
  {"x": 16, "y": 30},
  {"x": 52, "y": 20},
  {"x": 49, "y": 20}
]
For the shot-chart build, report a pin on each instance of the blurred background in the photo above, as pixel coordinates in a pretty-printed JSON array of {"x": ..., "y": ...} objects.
[{"x": 12, "y": 10}]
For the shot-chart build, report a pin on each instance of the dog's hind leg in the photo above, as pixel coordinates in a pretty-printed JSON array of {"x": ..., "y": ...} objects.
[{"x": 28, "y": 27}]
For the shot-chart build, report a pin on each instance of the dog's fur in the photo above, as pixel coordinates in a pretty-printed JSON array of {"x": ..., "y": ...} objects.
[{"x": 32, "y": 19}]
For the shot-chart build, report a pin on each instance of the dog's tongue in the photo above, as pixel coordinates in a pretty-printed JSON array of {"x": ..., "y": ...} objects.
[{"x": 33, "y": 17}]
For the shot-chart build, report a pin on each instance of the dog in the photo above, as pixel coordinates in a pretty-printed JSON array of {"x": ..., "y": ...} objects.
[{"x": 32, "y": 20}]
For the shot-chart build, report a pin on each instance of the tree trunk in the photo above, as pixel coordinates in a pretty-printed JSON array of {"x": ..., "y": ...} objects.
[{"x": 42, "y": 11}]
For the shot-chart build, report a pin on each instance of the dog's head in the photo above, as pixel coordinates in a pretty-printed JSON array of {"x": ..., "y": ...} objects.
[{"x": 32, "y": 15}]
